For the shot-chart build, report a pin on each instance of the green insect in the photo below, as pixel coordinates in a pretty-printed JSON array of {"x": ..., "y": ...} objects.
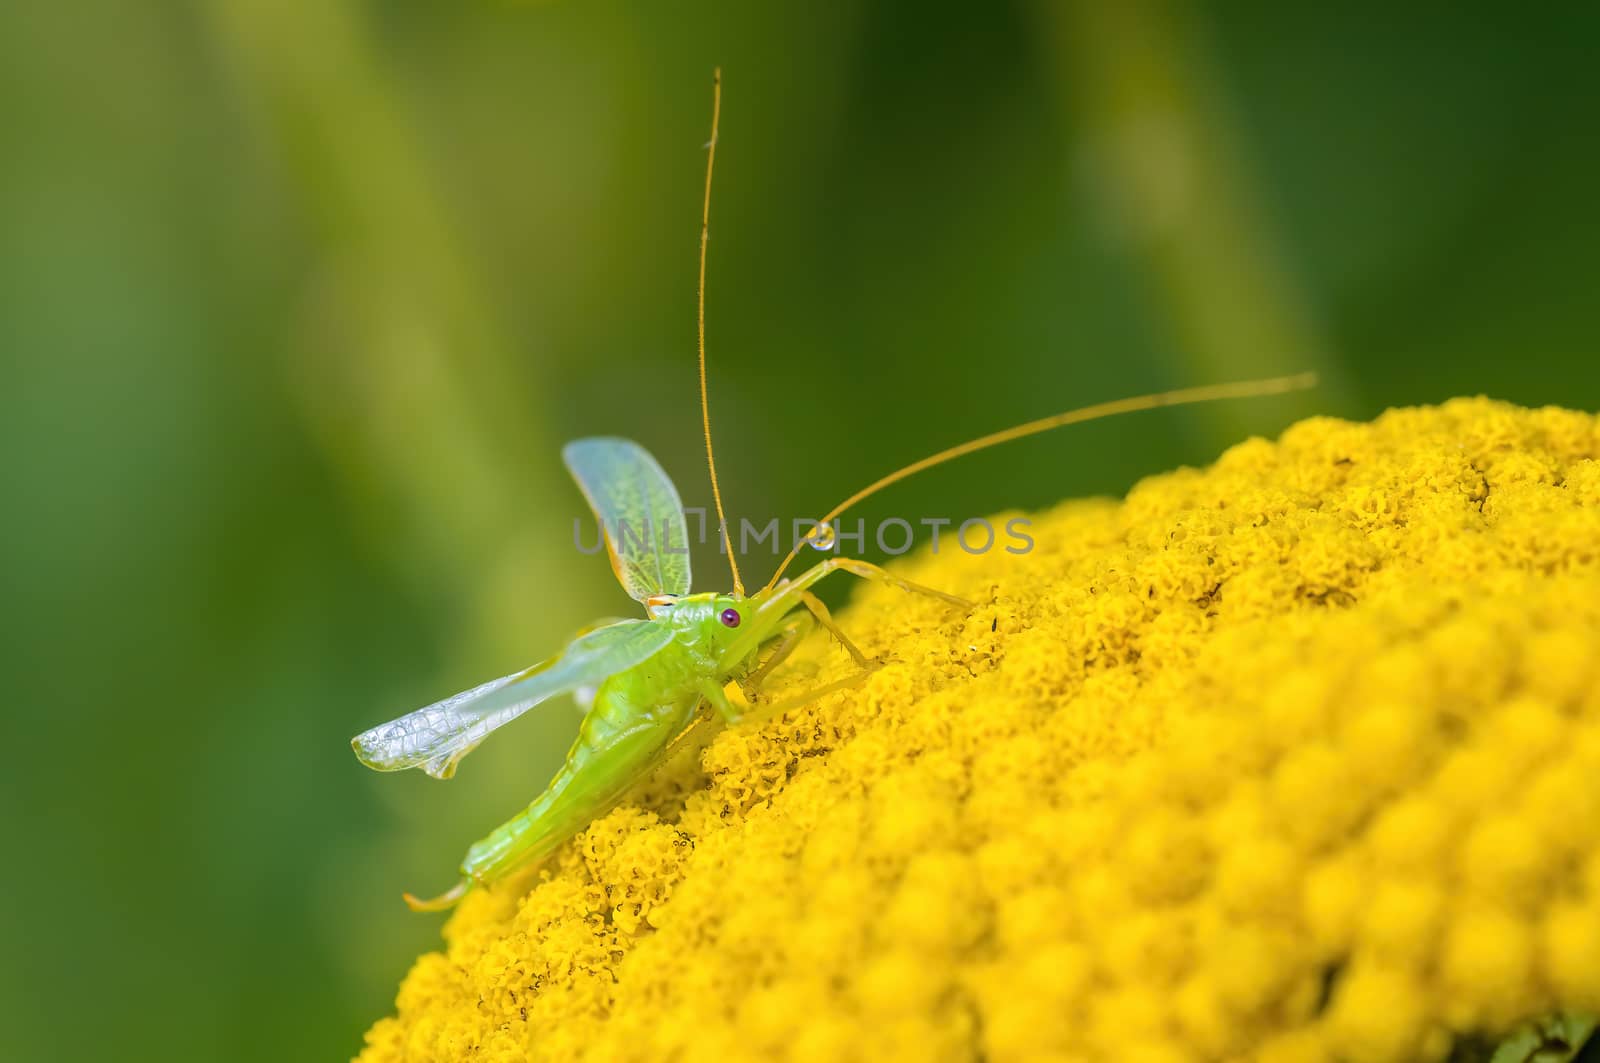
[
  {"x": 648, "y": 677},
  {"x": 647, "y": 681}
]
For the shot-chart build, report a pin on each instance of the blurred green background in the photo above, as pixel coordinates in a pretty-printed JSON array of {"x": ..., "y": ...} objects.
[{"x": 298, "y": 301}]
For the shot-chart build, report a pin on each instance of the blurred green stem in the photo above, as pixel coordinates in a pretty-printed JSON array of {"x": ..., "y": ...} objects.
[
  {"x": 1163, "y": 157},
  {"x": 399, "y": 361}
]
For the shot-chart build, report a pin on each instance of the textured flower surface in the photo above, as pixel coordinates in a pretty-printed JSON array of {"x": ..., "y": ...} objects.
[{"x": 1292, "y": 758}]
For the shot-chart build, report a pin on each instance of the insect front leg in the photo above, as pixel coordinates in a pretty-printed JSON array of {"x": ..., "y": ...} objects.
[
  {"x": 794, "y": 632},
  {"x": 798, "y": 586},
  {"x": 825, "y": 618},
  {"x": 718, "y": 700},
  {"x": 783, "y": 600},
  {"x": 790, "y": 636},
  {"x": 793, "y": 594},
  {"x": 866, "y": 570}
]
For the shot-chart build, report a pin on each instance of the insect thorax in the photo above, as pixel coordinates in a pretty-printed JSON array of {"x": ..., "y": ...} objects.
[{"x": 698, "y": 624}]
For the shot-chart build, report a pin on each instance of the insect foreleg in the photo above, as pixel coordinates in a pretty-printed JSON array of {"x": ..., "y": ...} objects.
[
  {"x": 866, "y": 570},
  {"x": 792, "y": 595},
  {"x": 825, "y": 618},
  {"x": 790, "y": 636}
]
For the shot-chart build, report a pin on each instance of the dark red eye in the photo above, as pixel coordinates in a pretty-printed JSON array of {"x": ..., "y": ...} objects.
[{"x": 730, "y": 617}]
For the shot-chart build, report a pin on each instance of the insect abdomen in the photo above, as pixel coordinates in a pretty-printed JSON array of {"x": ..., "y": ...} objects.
[{"x": 621, "y": 738}]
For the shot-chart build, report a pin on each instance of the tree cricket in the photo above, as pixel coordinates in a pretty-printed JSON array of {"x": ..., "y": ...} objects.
[{"x": 648, "y": 680}]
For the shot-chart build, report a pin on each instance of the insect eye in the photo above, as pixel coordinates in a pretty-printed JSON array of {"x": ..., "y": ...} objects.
[{"x": 730, "y": 618}]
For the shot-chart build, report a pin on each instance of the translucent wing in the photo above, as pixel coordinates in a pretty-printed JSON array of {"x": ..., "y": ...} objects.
[
  {"x": 583, "y": 694},
  {"x": 437, "y": 737},
  {"x": 639, "y": 512}
]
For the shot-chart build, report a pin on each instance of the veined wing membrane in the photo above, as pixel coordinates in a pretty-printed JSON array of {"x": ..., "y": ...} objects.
[
  {"x": 435, "y": 738},
  {"x": 639, "y": 512}
]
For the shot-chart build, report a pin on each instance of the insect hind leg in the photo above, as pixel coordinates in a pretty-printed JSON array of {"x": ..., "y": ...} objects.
[{"x": 447, "y": 899}]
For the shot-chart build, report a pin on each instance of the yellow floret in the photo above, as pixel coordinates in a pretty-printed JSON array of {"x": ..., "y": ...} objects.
[
  {"x": 1378, "y": 1014},
  {"x": 1291, "y": 758}
]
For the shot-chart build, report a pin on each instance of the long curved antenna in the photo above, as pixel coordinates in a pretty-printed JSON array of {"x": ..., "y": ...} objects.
[
  {"x": 1182, "y": 397},
  {"x": 705, "y": 406}
]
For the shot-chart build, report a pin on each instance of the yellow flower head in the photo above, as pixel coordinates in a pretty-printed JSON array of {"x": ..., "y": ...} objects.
[{"x": 1291, "y": 757}]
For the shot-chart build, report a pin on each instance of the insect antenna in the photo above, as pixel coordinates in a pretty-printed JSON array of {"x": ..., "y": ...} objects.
[
  {"x": 1182, "y": 397},
  {"x": 705, "y": 406}
]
